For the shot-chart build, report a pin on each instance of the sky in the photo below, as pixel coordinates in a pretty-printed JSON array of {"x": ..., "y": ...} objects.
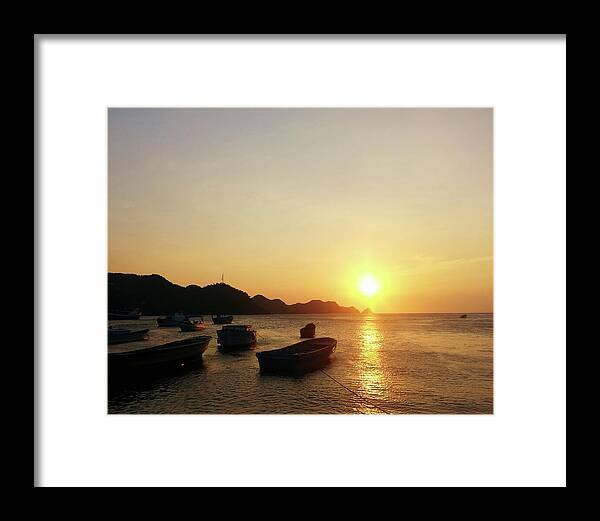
[{"x": 302, "y": 203}]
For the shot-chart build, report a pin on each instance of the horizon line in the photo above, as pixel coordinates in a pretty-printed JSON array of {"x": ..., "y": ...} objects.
[{"x": 335, "y": 301}]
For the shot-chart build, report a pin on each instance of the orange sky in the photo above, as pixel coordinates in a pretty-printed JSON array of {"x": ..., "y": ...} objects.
[{"x": 300, "y": 203}]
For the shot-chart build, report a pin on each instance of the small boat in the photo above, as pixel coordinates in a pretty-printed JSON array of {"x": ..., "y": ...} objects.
[
  {"x": 174, "y": 320},
  {"x": 302, "y": 357},
  {"x": 121, "y": 335},
  {"x": 222, "y": 319},
  {"x": 308, "y": 331},
  {"x": 194, "y": 325},
  {"x": 125, "y": 315},
  {"x": 463, "y": 316},
  {"x": 172, "y": 354},
  {"x": 236, "y": 337}
]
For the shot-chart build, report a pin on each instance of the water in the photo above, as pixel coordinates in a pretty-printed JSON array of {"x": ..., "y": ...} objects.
[{"x": 395, "y": 363}]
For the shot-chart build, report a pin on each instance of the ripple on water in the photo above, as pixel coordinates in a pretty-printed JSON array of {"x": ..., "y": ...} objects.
[{"x": 401, "y": 363}]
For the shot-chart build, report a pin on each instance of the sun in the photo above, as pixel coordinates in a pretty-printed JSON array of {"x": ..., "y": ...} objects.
[{"x": 368, "y": 285}]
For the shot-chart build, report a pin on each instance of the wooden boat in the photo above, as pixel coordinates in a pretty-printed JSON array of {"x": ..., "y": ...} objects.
[
  {"x": 222, "y": 319},
  {"x": 172, "y": 354},
  {"x": 308, "y": 331},
  {"x": 174, "y": 320},
  {"x": 304, "y": 356},
  {"x": 236, "y": 337},
  {"x": 121, "y": 335},
  {"x": 125, "y": 315},
  {"x": 193, "y": 326}
]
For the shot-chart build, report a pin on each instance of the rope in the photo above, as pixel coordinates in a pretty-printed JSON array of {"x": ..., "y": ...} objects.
[{"x": 368, "y": 402}]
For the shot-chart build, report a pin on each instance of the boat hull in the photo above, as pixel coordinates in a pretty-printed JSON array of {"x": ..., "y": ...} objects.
[
  {"x": 171, "y": 355},
  {"x": 191, "y": 327},
  {"x": 167, "y": 322},
  {"x": 222, "y": 320},
  {"x": 235, "y": 339},
  {"x": 296, "y": 359},
  {"x": 308, "y": 331},
  {"x": 115, "y": 337}
]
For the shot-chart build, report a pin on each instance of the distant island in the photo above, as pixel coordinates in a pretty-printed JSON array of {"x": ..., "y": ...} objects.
[{"x": 155, "y": 295}]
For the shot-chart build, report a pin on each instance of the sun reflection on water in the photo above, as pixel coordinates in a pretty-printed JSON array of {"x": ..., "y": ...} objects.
[{"x": 371, "y": 376}]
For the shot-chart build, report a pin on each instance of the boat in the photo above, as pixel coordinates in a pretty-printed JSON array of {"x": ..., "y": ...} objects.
[
  {"x": 122, "y": 335},
  {"x": 463, "y": 316},
  {"x": 308, "y": 331},
  {"x": 134, "y": 314},
  {"x": 174, "y": 320},
  {"x": 173, "y": 354},
  {"x": 222, "y": 319},
  {"x": 236, "y": 337},
  {"x": 194, "y": 325},
  {"x": 302, "y": 357}
]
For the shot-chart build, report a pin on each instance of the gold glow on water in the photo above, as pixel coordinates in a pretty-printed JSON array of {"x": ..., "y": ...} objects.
[{"x": 371, "y": 377}]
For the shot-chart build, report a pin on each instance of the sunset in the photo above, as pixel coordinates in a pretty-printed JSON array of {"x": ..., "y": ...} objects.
[
  {"x": 368, "y": 285},
  {"x": 300, "y": 204},
  {"x": 352, "y": 246}
]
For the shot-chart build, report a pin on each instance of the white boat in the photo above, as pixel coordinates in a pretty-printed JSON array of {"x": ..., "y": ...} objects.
[
  {"x": 174, "y": 320},
  {"x": 236, "y": 337}
]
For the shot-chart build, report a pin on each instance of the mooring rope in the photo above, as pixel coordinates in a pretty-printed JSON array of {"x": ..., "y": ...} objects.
[{"x": 368, "y": 402}]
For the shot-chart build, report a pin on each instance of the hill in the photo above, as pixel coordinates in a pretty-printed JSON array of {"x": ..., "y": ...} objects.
[{"x": 155, "y": 295}]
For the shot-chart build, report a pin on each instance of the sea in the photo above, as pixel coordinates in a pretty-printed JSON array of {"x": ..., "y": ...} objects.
[{"x": 406, "y": 363}]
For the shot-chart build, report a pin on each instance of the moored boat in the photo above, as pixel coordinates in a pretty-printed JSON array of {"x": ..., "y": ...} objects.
[
  {"x": 222, "y": 319},
  {"x": 121, "y": 335},
  {"x": 308, "y": 331},
  {"x": 304, "y": 356},
  {"x": 172, "y": 354},
  {"x": 192, "y": 326},
  {"x": 236, "y": 337},
  {"x": 173, "y": 320},
  {"x": 134, "y": 314}
]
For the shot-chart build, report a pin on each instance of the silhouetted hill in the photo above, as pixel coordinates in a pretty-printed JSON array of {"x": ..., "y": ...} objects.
[
  {"x": 155, "y": 295},
  {"x": 270, "y": 306},
  {"x": 318, "y": 306}
]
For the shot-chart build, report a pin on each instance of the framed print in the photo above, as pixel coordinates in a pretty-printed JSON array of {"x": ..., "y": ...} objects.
[{"x": 294, "y": 261}]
